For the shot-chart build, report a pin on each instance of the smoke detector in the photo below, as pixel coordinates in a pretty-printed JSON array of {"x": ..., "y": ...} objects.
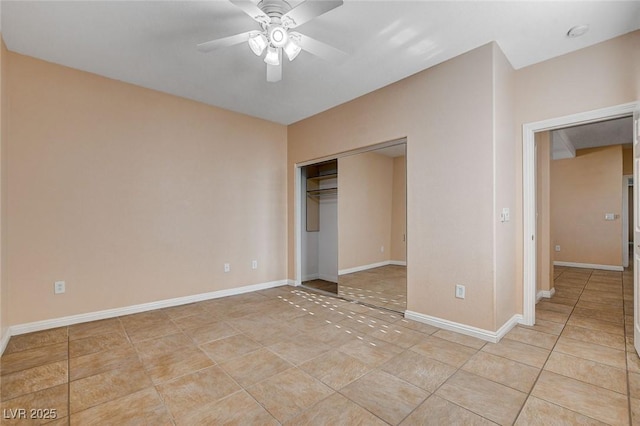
[{"x": 577, "y": 31}]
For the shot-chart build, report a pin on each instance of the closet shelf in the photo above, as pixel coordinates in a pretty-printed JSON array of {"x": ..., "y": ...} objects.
[
  {"x": 323, "y": 177},
  {"x": 321, "y": 192}
]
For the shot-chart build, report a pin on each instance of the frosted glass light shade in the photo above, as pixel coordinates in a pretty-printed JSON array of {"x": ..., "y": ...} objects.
[
  {"x": 272, "y": 57},
  {"x": 258, "y": 43},
  {"x": 292, "y": 49}
]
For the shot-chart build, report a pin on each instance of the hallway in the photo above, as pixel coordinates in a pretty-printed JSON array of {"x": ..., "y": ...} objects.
[{"x": 593, "y": 368}]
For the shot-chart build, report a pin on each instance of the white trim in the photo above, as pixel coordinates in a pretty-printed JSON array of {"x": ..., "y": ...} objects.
[
  {"x": 5, "y": 340},
  {"x": 297, "y": 226},
  {"x": 367, "y": 148},
  {"x": 371, "y": 266},
  {"x": 588, "y": 266},
  {"x": 545, "y": 294},
  {"x": 15, "y": 330},
  {"x": 293, "y": 283},
  {"x": 529, "y": 195},
  {"x": 489, "y": 336},
  {"x": 625, "y": 218},
  {"x": 529, "y": 224}
]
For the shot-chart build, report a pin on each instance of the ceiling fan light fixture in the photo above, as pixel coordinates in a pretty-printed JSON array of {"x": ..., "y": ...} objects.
[
  {"x": 278, "y": 36},
  {"x": 292, "y": 49},
  {"x": 258, "y": 43},
  {"x": 273, "y": 56}
]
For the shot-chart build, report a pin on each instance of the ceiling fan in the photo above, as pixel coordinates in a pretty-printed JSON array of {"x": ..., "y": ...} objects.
[{"x": 276, "y": 19}]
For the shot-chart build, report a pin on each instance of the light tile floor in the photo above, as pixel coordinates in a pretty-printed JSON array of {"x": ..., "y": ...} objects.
[
  {"x": 288, "y": 356},
  {"x": 385, "y": 286}
]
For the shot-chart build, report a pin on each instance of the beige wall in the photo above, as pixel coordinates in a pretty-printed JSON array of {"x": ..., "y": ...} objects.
[
  {"x": 544, "y": 251},
  {"x": 450, "y": 220},
  {"x": 627, "y": 160},
  {"x": 4, "y": 287},
  {"x": 365, "y": 184},
  {"x": 507, "y": 295},
  {"x": 583, "y": 189},
  {"x": 133, "y": 196},
  {"x": 599, "y": 76},
  {"x": 399, "y": 210}
]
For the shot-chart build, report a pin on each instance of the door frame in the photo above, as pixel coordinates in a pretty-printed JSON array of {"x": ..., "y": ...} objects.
[
  {"x": 529, "y": 192},
  {"x": 625, "y": 219}
]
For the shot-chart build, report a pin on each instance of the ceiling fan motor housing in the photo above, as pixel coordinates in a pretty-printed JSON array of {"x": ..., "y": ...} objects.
[
  {"x": 274, "y": 8},
  {"x": 276, "y": 32}
]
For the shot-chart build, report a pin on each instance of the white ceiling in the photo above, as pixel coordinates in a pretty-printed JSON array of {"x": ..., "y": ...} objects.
[
  {"x": 565, "y": 142},
  {"x": 153, "y": 44}
]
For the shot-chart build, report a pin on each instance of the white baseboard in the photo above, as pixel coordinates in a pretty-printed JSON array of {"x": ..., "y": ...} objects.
[
  {"x": 330, "y": 278},
  {"x": 545, "y": 294},
  {"x": 489, "y": 336},
  {"x": 310, "y": 277},
  {"x": 324, "y": 277},
  {"x": 4, "y": 341},
  {"x": 589, "y": 266},
  {"x": 15, "y": 330},
  {"x": 294, "y": 283},
  {"x": 371, "y": 266}
]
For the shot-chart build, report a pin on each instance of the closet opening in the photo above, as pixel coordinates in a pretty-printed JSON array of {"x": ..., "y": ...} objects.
[
  {"x": 351, "y": 225},
  {"x": 319, "y": 186}
]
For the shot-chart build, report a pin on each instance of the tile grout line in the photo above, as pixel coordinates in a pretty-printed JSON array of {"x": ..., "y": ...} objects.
[
  {"x": 453, "y": 374},
  {"x": 553, "y": 348},
  {"x": 624, "y": 339},
  {"x": 164, "y": 405},
  {"x": 533, "y": 385}
]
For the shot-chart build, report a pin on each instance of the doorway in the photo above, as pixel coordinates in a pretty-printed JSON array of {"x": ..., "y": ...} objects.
[{"x": 529, "y": 190}]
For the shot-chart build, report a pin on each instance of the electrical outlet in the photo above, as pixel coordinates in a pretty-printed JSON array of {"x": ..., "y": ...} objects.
[
  {"x": 254, "y": 264},
  {"x": 58, "y": 287},
  {"x": 558, "y": 247},
  {"x": 227, "y": 267},
  {"x": 460, "y": 290},
  {"x": 381, "y": 249}
]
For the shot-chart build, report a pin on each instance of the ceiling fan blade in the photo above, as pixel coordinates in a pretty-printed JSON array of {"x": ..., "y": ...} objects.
[
  {"x": 321, "y": 49},
  {"x": 274, "y": 73},
  {"x": 252, "y": 10},
  {"x": 308, "y": 10},
  {"x": 208, "y": 46}
]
